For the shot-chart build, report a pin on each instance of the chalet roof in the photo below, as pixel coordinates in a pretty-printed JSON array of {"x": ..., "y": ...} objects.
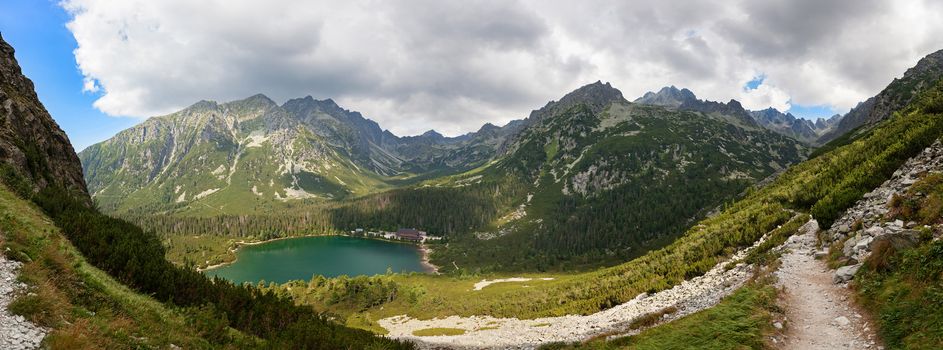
[{"x": 408, "y": 231}]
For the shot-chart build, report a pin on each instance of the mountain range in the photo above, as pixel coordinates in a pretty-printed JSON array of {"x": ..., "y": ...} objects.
[
  {"x": 590, "y": 149},
  {"x": 662, "y": 190},
  {"x": 800, "y": 129}
]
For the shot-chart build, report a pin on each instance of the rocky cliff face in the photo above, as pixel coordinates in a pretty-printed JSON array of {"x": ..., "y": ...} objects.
[
  {"x": 34, "y": 152},
  {"x": 898, "y": 94}
]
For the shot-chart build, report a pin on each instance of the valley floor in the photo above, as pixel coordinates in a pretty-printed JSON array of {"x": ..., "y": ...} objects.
[
  {"x": 485, "y": 332},
  {"x": 820, "y": 314}
]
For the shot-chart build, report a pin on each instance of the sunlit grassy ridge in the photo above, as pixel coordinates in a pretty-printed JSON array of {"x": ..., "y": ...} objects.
[{"x": 84, "y": 307}]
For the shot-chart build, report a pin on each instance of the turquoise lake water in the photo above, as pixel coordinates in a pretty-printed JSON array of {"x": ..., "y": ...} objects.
[{"x": 331, "y": 256}]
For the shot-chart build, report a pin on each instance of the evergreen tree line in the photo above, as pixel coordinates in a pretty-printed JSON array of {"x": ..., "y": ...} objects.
[{"x": 136, "y": 258}]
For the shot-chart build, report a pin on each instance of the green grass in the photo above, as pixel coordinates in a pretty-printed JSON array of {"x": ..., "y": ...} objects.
[
  {"x": 431, "y": 332},
  {"x": 906, "y": 295},
  {"x": 901, "y": 282},
  {"x": 83, "y": 306}
]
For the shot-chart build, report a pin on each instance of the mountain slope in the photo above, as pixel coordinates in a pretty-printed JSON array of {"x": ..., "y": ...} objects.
[
  {"x": 254, "y": 155},
  {"x": 34, "y": 152},
  {"x": 898, "y": 94},
  {"x": 601, "y": 173},
  {"x": 824, "y": 186},
  {"x": 80, "y": 305}
]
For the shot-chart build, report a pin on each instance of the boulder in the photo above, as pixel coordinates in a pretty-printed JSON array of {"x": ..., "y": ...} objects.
[
  {"x": 863, "y": 244},
  {"x": 874, "y": 231},
  {"x": 845, "y": 273},
  {"x": 903, "y": 240},
  {"x": 849, "y": 246},
  {"x": 844, "y": 228}
]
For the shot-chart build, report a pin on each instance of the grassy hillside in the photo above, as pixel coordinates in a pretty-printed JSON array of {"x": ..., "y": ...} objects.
[
  {"x": 83, "y": 306},
  {"x": 902, "y": 281}
]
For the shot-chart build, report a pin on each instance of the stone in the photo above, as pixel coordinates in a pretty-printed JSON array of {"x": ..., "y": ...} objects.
[
  {"x": 820, "y": 254},
  {"x": 778, "y": 325},
  {"x": 874, "y": 231},
  {"x": 842, "y": 321},
  {"x": 863, "y": 244},
  {"x": 849, "y": 246},
  {"x": 844, "y": 228},
  {"x": 845, "y": 273}
]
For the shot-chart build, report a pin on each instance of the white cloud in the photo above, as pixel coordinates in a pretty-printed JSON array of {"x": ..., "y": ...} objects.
[
  {"x": 453, "y": 65},
  {"x": 90, "y": 85}
]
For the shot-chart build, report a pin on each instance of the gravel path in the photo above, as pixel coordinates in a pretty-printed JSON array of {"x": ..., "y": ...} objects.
[
  {"x": 15, "y": 332},
  {"x": 486, "y": 332},
  {"x": 484, "y": 283},
  {"x": 819, "y": 313}
]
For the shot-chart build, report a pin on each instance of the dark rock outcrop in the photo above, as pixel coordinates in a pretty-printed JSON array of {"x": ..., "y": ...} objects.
[{"x": 34, "y": 152}]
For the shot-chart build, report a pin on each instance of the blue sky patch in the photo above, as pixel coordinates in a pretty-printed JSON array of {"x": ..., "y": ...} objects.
[
  {"x": 812, "y": 112},
  {"x": 36, "y": 30},
  {"x": 754, "y": 83}
]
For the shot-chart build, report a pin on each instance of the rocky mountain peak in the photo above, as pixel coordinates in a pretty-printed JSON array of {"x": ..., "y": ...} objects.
[
  {"x": 259, "y": 99},
  {"x": 202, "y": 106},
  {"x": 597, "y": 96},
  {"x": 488, "y": 127},
  {"x": 433, "y": 134},
  {"x": 34, "y": 152},
  {"x": 667, "y": 96}
]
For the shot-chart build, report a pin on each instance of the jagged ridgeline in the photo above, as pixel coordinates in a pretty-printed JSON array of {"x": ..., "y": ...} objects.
[
  {"x": 252, "y": 156},
  {"x": 586, "y": 180}
]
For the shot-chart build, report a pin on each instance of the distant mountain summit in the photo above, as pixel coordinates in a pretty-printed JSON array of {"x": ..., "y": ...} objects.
[
  {"x": 786, "y": 124},
  {"x": 34, "y": 152},
  {"x": 800, "y": 129},
  {"x": 684, "y": 99},
  {"x": 668, "y": 96}
]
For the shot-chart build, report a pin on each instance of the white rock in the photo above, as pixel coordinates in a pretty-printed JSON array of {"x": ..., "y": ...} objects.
[{"x": 845, "y": 273}]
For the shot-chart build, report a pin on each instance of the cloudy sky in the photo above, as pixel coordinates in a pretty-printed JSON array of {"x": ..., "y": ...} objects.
[{"x": 453, "y": 65}]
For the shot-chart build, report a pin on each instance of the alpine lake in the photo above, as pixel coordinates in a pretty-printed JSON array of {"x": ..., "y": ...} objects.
[{"x": 301, "y": 258}]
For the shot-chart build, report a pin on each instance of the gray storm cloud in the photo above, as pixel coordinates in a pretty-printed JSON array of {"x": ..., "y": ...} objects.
[{"x": 454, "y": 65}]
